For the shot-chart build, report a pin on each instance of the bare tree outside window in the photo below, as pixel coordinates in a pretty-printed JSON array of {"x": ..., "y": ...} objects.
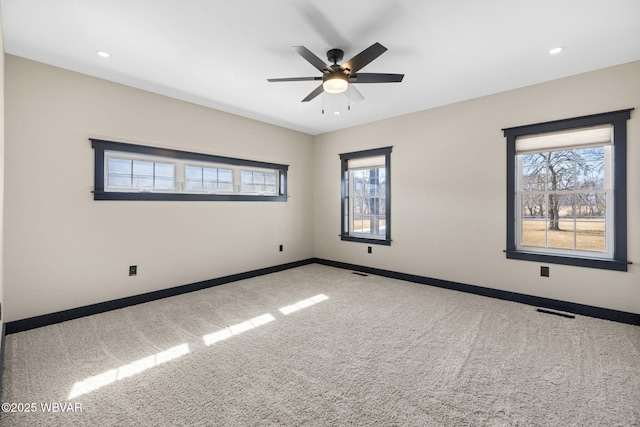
[{"x": 563, "y": 199}]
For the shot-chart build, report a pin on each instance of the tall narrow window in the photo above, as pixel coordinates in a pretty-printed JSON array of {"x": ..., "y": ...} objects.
[
  {"x": 366, "y": 196},
  {"x": 567, "y": 191}
]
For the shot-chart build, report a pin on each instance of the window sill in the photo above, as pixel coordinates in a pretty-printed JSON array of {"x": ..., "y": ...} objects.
[
  {"x": 604, "y": 264},
  {"x": 119, "y": 195},
  {"x": 370, "y": 241}
]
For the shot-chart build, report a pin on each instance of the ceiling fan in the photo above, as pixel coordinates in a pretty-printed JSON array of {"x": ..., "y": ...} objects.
[{"x": 336, "y": 78}]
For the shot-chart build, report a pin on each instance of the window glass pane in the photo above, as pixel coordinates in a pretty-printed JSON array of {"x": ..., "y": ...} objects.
[
  {"x": 590, "y": 170},
  {"x": 164, "y": 170},
  {"x": 534, "y": 171},
  {"x": 357, "y": 206},
  {"x": 534, "y": 232},
  {"x": 270, "y": 180},
  {"x": 360, "y": 224},
  {"x": 209, "y": 174},
  {"x": 164, "y": 183},
  {"x": 142, "y": 174},
  {"x": 193, "y": 173},
  {"x": 591, "y": 224},
  {"x": 119, "y": 173},
  {"x": 246, "y": 182},
  {"x": 563, "y": 236},
  {"x": 225, "y": 180},
  {"x": 561, "y": 173},
  {"x": 209, "y": 179},
  {"x": 590, "y": 176},
  {"x": 591, "y": 205},
  {"x": 119, "y": 166},
  {"x": 533, "y": 206},
  {"x": 533, "y": 209},
  {"x": 591, "y": 235},
  {"x": 143, "y": 169},
  {"x": 225, "y": 175},
  {"x": 164, "y": 176},
  {"x": 117, "y": 181},
  {"x": 193, "y": 178}
]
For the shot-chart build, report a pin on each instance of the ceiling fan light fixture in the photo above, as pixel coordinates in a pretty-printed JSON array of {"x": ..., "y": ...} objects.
[{"x": 335, "y": 83}]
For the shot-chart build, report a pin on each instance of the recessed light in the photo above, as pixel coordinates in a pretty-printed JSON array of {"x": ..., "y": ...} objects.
[
  {"x": 337, "y": 113},
  {"x": 556, "y": 50},
  {"x": 103, "y": 54}
]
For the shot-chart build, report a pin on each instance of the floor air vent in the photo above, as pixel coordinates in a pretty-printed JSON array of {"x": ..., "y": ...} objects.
[{"x": 556, "y": 312}]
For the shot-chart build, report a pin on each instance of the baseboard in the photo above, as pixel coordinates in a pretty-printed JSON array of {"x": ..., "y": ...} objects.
[
  {"x": 75, "y": 313},
  {"x": 571, "y": 307},
  {"x": 88, "y": 310}
]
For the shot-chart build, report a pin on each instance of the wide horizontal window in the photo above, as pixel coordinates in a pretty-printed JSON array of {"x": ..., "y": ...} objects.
[{"x": 137, "y": 172}]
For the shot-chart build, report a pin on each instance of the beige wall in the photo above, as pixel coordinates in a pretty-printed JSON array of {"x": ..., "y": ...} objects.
[
  {"x": 64, "y": 250},
  {"x": 449, "y": 190}
]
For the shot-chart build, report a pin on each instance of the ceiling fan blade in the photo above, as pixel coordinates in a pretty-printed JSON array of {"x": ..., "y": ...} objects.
[
  {"x": 354, "y": 94},
  {"x": 295, "y": 79},
  {"x": 363, "y": 58},
  {"x": 312, "y": 58},
  {"x": 376, "y": 78},
  {"x": 317, "y": 91}
]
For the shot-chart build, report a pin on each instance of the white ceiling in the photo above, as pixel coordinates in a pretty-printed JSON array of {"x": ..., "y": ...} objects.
[{"x": 220, "y": 53}]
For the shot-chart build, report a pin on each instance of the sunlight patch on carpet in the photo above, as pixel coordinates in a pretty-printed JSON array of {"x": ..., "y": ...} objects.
[
  {"x": 303, "y": 304},
  {"x": 109, "y": 377},
  {"x": 238, "y": 328}
]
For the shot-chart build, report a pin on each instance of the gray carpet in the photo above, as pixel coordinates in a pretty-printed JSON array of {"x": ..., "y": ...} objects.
[{"x": 320, "y": 346}]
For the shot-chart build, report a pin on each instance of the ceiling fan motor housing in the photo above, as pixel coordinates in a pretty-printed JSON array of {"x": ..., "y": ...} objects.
[{"x": 335, "y": 55}]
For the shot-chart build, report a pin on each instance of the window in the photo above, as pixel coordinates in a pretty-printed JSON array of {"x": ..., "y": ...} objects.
[
  {"x": 366, "y": 196},
  {"x": 258, "y": 182},
  {"x": 137, "y": 172},
  {"x": 139, "y": 175},
  {"x": 201, "y": 178},
  {"x": 566, "y": 191}
]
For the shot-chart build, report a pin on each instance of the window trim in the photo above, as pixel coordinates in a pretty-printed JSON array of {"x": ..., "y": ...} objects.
[
  {"x": 99, "y": 192},
  {"x": 344, "y": 180},
  {"x": 618, "y": 119}
]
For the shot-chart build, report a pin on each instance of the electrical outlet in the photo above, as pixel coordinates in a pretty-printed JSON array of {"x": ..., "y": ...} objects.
[
  {"x": 369, "y": 250},
  {"x": 281, "y": 248},
  {"x": 544, "y": 271},
  {"x": 133, "y": 270}
]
